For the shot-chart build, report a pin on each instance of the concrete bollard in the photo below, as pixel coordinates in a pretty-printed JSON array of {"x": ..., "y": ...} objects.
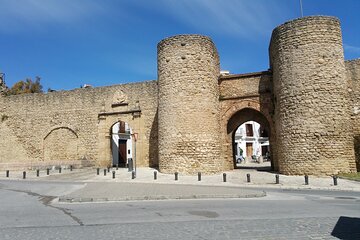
[
  {"x": 113, "y": 174},
  {"x": 335, "y": 180},
  {"x": 199, "y": 176},
  {"x": 38, "y": 173},
  {"x": 98, "y": 171},
  {"x": 155, "y": 175},
  {"x": 59, "y": 169},
  {"x": 133, "y": 175},
  {"x": 224, "y": 177},
  {"x": 306, "y": 180},
  {"x": 7, "y": 173},
  {"x": 176, "y": 176},
  {"x": 24, "y": 175},
  {"x": 248, "y": 179},
  {"x": 48, "y": 171},
  {"x": 277, "y": 179},
  {"x": 104, "y": 172}
]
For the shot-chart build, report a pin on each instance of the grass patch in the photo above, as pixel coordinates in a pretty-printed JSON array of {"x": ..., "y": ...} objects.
[{"x": 350, "y": 176}]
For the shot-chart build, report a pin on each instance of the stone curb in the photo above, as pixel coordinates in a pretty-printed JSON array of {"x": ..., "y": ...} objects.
[
  {"x": 340, "y": 187},
  {"x": 294, "y": 187},
  {"x": 227, "y": 184},
  {"x": 350, "y": 179},
  {"x": 159, "y": 197},
  {"x": 244, "y": 185}
]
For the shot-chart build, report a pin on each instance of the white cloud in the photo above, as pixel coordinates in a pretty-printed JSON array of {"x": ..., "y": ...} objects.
[
  {"x": 352, "y": 49},
  {"x": 243, "y": 18},
  {"x": 24, "y": 14},
  {"x": 236, "y": 17}
]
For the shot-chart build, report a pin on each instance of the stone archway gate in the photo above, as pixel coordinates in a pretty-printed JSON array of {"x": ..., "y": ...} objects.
[{"x": 239, "y": 92}]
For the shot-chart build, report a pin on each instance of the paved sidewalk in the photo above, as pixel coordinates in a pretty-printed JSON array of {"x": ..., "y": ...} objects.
[
  {"x": 105, "y": 191},
  {"x": 106, "y": 188}
]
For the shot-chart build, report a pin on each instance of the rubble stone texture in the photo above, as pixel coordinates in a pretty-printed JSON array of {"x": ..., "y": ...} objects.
[
  {"x": 188, "y": 72},
  {"x": 312, "y": 110},
  {"x": 308, "y": 102},
  {"x": 353, "y": 78}
]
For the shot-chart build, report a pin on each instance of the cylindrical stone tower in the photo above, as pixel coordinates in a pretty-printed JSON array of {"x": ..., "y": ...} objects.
[
  {"x": 312, "y": 117},
  {"x": 188, "y": 109}
]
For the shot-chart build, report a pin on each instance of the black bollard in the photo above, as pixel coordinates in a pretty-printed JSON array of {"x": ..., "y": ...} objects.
[
  {"x": 108, "y": 169},
  {"x": 335, "y": 180},
  {"x": 199, "y": 176},
  {"x": 98, "y": 171},
  {"x": 59, "y": 169},
  {"x": 113, "y": 174},
  {"x": 117, "y": 166},
  {"x": 155, "y": 175},
  {"x": 224, "y": 177},
  {"x": 24, "y": 175},
  {"x": 71, "y": 168},
  {"x": 277, "y": 179},
  {"x": 38, "y": 173},
  {"x": 176, "y": 176},
  {"x": 133, "y": 175},
  {"x": 248, "y": 177},
  {"x": 306, "y": 180},
  {"x": 47, "y": 171},
  {"x": 130, "y": 165},
  {"x": 7, "y": 173},
  {"x": 104, "y": 172}
]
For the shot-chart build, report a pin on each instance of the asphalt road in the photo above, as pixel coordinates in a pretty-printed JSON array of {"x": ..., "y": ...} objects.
[{"x": 26, "y": 212}]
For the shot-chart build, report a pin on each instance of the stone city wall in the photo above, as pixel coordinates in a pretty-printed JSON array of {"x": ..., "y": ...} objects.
[
  {"x": 353, "y": 77},
  {"x": 63, "y": 128},
  {"x": 308, "y": 101},
  {"x": 244, "y": 85}
]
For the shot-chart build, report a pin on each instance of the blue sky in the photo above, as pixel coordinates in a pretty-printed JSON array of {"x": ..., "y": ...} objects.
[{"x": 104, "y": 42}]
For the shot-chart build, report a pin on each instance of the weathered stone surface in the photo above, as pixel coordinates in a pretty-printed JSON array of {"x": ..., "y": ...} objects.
[
  {"x": 188, "y": 71},
  {"x": 244, "y": 97},
  {"x": 308, "y": 102},
  {"x": 353, "y": 78},
  {"x": 312, "y": 104},
  {"x": 63, "y": 128}
]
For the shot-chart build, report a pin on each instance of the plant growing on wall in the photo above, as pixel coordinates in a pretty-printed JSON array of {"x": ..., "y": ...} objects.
[{"x": 27, "y": 86}]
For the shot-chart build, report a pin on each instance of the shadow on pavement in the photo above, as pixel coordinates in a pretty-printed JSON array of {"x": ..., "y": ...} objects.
[
  {"x": 347, "y": 228},
  {"x": 261, "y": 169}
]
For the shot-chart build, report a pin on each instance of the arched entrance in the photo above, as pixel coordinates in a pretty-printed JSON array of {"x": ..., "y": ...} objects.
[
  {"x": 61, "y": 145},
  {"x": 121, "y": 143},
  {"x": 250, "y": 135},
  {"x": 251, "y": 144}
]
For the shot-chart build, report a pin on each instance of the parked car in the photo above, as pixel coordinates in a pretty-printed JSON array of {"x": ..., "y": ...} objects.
[{"x": 240, "y": 159}]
